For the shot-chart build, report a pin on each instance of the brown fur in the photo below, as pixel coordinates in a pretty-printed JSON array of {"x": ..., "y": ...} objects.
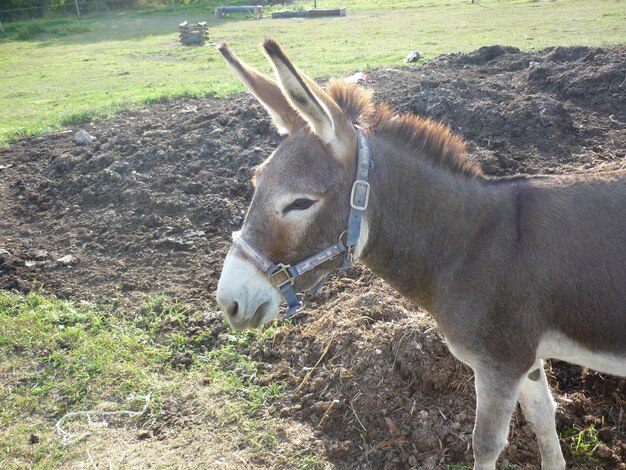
[{"x": 429, "y": 139}]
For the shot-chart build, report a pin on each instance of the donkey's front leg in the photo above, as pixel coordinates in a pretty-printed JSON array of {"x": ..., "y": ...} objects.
[
  {"x": 496, "y": 398},
  {"x": 539, "y": 408}
]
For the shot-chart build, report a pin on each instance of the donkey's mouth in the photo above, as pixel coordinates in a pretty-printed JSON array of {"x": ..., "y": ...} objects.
[{"x": 261, "y": 315}]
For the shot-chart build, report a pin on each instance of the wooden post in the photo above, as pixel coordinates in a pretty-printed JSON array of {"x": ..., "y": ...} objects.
[
  {"x": 3, "y": 31},
  {"x": 77, "y": 9}
]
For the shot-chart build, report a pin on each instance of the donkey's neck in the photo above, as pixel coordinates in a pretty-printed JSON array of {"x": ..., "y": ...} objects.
[{"x": 420, "y": 221}]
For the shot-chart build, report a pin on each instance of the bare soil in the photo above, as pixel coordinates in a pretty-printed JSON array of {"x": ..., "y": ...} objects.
[{"x": 148, "y": 209}]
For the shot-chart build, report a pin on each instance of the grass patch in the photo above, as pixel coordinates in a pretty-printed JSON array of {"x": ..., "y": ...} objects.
[
  {"x": 59, "y": 357},
  {"x": 583, "y": 442},
  {"x": 61, "y": 76},
  {"x": 58, "y": 27},
  {"x": 312, "y": 462}
]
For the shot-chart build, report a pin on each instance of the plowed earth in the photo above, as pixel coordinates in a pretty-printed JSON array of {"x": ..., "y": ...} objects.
[{"x": 148, "y": 209}]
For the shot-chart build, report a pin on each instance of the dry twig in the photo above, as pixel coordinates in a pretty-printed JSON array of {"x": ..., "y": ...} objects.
[{"x": 308, "y": 374}]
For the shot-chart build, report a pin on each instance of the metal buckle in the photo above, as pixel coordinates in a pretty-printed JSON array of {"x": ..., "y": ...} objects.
[
  {"x": 284, "y": 310},
  {"x": 349, "y": 249},
  {"x": 302, "y": 297},
  {"x": 350, "y": 255},
  {"x": 366, "y": 186},
  {"x": 284, "y": 270}
]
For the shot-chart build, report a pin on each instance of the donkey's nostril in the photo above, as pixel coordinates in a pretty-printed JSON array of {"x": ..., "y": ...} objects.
[{"x": 232, "y": 309}]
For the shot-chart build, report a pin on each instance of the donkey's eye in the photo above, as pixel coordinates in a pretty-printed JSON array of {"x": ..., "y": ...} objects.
[{"x": 299, "y": 205}]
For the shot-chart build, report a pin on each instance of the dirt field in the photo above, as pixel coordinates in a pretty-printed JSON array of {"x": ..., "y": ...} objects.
[{"x": 149, "y": 207}]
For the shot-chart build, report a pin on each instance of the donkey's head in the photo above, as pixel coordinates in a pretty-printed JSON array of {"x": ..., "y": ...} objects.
[{"x": 301, "y": 201}]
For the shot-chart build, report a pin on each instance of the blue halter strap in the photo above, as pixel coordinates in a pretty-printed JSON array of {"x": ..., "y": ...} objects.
[{"x": 284, "y": 275}]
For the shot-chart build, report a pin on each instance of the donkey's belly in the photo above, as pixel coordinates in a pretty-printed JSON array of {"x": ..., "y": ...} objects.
[{"x": 559, "y": 346}]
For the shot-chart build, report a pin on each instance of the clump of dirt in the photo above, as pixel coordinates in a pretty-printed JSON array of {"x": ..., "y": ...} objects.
[
  {"x": 137, "y": 208},
  {"x": 149, "y": 206}
]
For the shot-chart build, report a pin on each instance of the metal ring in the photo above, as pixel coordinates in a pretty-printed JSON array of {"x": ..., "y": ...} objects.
[{"x": 345, "y": 232}]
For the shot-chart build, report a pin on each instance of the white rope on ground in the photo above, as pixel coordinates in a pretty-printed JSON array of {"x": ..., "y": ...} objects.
[
  {"x": 68, "y": 438},
  {"x": 612, "y": 118}
]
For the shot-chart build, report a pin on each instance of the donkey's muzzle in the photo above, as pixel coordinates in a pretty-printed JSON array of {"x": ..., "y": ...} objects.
[
  {"x": 245, "y": 295},
  {"x": 231, "y": 310},
  {"x": 237, "y": 318}
]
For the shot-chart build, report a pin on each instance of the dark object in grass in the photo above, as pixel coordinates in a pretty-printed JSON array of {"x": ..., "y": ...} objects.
[
  {"x": 314, "y": 13},
  {"x": 182, "y": 359},
  {"x": 255, "y": 10}
]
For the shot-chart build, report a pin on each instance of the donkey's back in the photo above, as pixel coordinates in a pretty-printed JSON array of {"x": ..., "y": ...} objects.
[
  {"x": 575, "y": 260},
  {"x": 565, "y": 270}
]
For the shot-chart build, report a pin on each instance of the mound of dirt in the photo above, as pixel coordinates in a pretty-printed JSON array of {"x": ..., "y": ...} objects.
[{"x": 149, "y": 206}]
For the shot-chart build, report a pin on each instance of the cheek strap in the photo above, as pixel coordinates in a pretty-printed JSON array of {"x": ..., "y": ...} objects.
[{"x": 284, "y": 275}]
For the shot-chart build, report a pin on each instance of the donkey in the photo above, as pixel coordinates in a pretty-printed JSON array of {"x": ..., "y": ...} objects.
[{"x": 514, "y": 270}]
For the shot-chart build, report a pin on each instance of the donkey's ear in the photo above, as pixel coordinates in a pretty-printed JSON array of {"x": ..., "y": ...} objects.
[
  {"x": 269, "y": 94},
  {"x": 324, "y": 116}
]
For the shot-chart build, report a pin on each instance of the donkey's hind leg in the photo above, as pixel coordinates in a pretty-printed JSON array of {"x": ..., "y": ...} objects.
[
  {"x": 539, "y": 408},
  {"x": 496, "y": 399}
]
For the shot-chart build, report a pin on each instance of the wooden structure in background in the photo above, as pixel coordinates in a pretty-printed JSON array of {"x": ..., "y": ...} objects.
[
  {"x": 314, "y": 13},
  {"x": 255, "y": 10},
  {"x": 193, "y": 35}
]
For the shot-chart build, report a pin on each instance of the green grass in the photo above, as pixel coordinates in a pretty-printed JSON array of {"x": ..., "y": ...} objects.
[
  {"x": 59, "y": 357},
  {"x": 467, "y": 466},
  {"x": 66, "y": 71},
  {"x": 583, "y": 442},
  {"x": 62, "y": 26}
]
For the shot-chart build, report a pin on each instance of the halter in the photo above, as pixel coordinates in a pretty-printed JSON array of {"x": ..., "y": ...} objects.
[{"x": 284, "y": 275}]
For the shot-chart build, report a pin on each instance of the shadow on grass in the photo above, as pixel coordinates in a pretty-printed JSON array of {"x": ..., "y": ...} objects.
[{"x": 115, "y": 26}]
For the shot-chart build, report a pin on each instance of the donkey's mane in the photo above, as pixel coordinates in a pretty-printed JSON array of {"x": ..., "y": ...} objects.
[{"x": 432, "y": 140}]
